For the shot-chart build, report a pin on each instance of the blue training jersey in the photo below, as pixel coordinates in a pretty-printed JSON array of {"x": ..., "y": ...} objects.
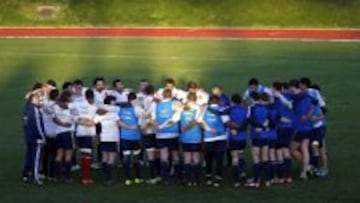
[
  {"x": 285, "y": 117},
  {"x": 238, "y": 115},
  {"x": 212, "y": 118},
  {"x": 259, "y": 116},
  {"x": 303, "y": 103},
  {"x": 318, "y": 112},
  {"x": 193, "y": 135},
  {"x": 273, "y": 117},
  {"x": 128, "y": 116},
  {"x": 164, "y": 112}
]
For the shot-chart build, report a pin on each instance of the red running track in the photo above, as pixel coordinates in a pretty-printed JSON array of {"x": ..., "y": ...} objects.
[{"x": 237, "y": 33}]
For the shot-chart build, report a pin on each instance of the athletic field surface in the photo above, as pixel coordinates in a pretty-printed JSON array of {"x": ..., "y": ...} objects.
[{"x": 37, "y": 56}]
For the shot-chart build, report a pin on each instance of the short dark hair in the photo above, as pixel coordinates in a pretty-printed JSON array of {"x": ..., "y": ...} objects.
[
  {"x": 54, "y": 94},
  {"x": 214, "y": 99},
  {"x": 285, "y": 85},
  {"x": 255, "y": 96},
  {"x": 89, "y": 94},
  {"x": 167, "y": 93},
  {"x": 149, "y": 90},
  {"x": 305, "y": 81},
  {"x": 253, "y": 81},
  {"x": 218, "y": 86},
  {"x": 66, "y": 85},
  {"x": 192, "y": 85},
  {"x": 51, "y": 82},
  {"x": 36, "y": 85},
  {"x": 131, "y": 96},
  {"x": 109, "y": 99},
  {"x": 78, "y": 82},
  {"x": 97, "y": 79},
  {"x": 265, "y": 97},
  {"x": 191, "y": 96},
  {"x": 236, "y": 98},
  {"x": 170, "y": 81},
  {"x": 65, "y": 96},
  {"x": 116, "y": 81},
  {"x": 294, "y": 83},
  {"x": 277, "y": 85}
]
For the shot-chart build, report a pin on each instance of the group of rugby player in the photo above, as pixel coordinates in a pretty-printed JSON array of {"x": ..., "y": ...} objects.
[{"x": 174, "y": 133}]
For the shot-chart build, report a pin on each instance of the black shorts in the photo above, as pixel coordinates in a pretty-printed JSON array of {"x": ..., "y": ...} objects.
[
  {"x": 216, "y": 146},
  {"x": 109, "y": 146},
  {"x": 318, "y": 134},
  {"x": 259, "y": 142},
  {"x": 237, "y": 145},
  {"x": 65, "y": 141},
  {"x": 285, "y": 135},
  {"x": 172, "y": 144},
  {"x": 126, "y": 145},
  {"x": 149, "y": 141},
  {"x": 191, "y": 147},
  {"x": 302, "y": 135},
  {"x": 84, "y": 142},
  {"x": 272, "y": 143}
]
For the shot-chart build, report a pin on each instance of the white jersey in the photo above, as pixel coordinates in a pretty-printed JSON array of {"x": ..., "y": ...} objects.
[
  {"x": 317, "y": 96},
  {"x": 79, "y": 97},
  {"x": 109, "y": 128},
  {"x": 260, "y": 89},
  {"x": 65, "y": 116},
  {"x": 121, "y": 97},
  {"x": 100, "y": 96},
  {"x": 202, "y": 97},
  {"x": 48, "y": 116},
  {"x": 177, "y": 94},
  {"x": 85, "y": 111},
  {"x": 147, "y": 104}
]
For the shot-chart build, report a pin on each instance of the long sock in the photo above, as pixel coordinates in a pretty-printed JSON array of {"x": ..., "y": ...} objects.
[
  {"x": 288, "y": 168},
  {"x": 164, "y": 172},
  {"x": 67, "y": 171},
  {"x": 236, "y": 173},
  {"x": 58, "y": 169},
  {"x": 137, "y": 166},
  {"x": 265, "y": 170},
  {"x": 219, "y": 163},
  {"x": 196, "y": 172},
  {"x": 188, "y": 175},
  {"x": 280, "y": 170},
  {"x": 109, "y": 171},
  {"x": 242, "y": 165},
  {"x": 127, "y": 167},
  {"x": 152, "y": 169},
  {"x": 177, "y": 169},
  {"x": 209, "y": 157},
  {"x": 256, "y": 172},
  {"x": 272, "y": 170},
  {"x": 105, "y": 169},
  {"x": 157, "y": 163},
  {"x": 316, "y": 160}
]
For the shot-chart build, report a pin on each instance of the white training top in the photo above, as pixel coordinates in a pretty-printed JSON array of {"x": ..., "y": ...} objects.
[
  {"x": 100, "y": 96},
  {"x": 109, "y": 128},
  {"x": 177, "y": 94},
  {"x": 48, "y": 116},
  {"x": 65, "y": 116},
  {"x": 121, "y": 97},
  {"x": 148, "y": 105},
  {"x": 86, "y": 111}
]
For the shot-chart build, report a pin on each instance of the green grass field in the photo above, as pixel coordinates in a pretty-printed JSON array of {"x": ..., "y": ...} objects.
[
  {"x": 335, "y": 65},
  {"x": 228, "y": 13}
]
